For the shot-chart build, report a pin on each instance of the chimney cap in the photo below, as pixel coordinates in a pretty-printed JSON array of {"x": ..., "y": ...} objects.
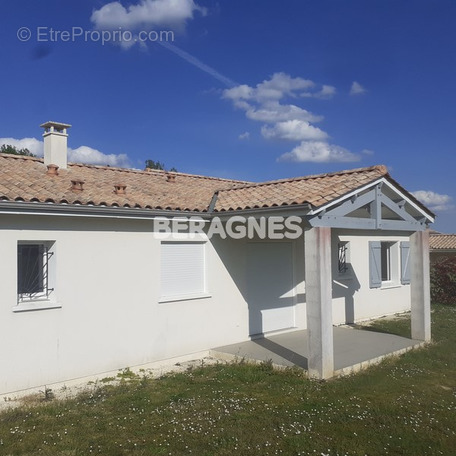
[{"x": 50, "y": 123}]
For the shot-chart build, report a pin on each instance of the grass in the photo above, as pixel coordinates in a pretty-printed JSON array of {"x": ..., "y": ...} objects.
[{"x": 404, "y": 406}]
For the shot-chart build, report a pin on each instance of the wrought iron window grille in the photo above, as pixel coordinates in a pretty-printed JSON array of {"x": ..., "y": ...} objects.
[
  {"x": 342, "y": 260},
  {"x": 33, "y": 272}
]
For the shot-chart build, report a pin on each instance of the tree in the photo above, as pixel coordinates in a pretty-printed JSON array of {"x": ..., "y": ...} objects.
[
  {"x": 9, "y": 149},
  {"x": 158, "y": 165}
]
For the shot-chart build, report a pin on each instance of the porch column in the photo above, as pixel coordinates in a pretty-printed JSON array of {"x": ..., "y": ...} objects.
[
  {"x": 420, "y": 286},
  {"x": 319, "y": 302}
]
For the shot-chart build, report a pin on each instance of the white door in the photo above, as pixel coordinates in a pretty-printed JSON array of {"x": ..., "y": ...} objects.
[{"x": 270, "y": 286}]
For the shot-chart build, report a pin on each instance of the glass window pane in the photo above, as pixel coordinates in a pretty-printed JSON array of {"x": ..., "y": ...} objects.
[{"x": 30, "y": 268}]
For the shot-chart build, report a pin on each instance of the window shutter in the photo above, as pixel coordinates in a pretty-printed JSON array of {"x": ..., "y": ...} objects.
[
  {"x": 182, "y": 268},
  {"x": 375, "y": 264},
  {"x": 405, "y": 263}
]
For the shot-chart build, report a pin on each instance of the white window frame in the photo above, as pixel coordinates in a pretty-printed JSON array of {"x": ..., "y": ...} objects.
[
  {"x": 45, "y": 299},
  {"x": 387, "y": 272},
  {"x": 390, "y": 253},
  {"x": 167, "y": 275}
]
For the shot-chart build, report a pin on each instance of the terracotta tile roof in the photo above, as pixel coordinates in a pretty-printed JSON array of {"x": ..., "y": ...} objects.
[
  {"x": 442, "y": 241},
  {"x": 316, "y": 190},
  {"x": 25, "y": 179}
]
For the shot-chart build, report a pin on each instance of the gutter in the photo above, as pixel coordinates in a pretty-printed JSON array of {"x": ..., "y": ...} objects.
[{"x": 71, "y": 210}]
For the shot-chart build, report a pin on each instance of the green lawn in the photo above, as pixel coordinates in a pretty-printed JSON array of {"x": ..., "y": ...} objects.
[{"x": 404, "y": 406}]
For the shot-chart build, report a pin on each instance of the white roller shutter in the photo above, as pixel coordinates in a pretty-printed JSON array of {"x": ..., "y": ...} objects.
[{"x": 182, "y": 268}]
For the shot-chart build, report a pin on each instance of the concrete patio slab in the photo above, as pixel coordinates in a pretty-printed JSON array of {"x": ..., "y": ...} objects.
[{"x": 354, "y": 349}]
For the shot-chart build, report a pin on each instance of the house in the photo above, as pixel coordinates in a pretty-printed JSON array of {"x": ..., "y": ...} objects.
[
  {"x": 104, "y": 268},
  {"x": 441, "y": 246}
]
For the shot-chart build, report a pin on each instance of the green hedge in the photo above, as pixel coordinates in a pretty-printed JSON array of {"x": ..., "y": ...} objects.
[{"x": 443, "y": 282}]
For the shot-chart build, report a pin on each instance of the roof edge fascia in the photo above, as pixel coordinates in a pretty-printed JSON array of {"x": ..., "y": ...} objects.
[{"x": 383, "y": 180}]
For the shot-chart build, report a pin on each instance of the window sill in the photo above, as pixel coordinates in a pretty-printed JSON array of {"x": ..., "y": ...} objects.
[
  {"x": 189, "y": 297},
  {"x": 35, "y": 305},
  {"x": 389, "y": 285}
]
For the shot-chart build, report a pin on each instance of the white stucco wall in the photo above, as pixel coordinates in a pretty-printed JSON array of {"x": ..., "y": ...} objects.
[
  {"x": 107, "y": 281},
  {"x": 108, "y": 286},
  {"x": 353, "y": 299}
]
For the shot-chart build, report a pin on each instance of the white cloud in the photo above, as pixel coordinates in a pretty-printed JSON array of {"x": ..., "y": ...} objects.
[
  {"x": 32, "y": 144},
  {"x": 434, "y": 201},
  {"x": 293, "y": 130},
  {"x": 368, "y": 152},
  {"x": 279, "y": 86},
  {"x": 147, "y": 13},
  {"x": 357, "y": 89},
  {"x": 267, "y": 103},
  {"x": 319, "y": 152},
  {"x": 272, "y": 112},
  {"x": 87, "y": 155},
  {"x": 240, "y": 92},
  {"x": 82, "y": 154},
  {"x": 325, "y": 92},
  {"x": 245, "y": 135}
]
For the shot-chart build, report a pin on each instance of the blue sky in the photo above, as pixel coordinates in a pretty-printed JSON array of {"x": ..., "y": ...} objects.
[{"x": 247, "y": 89}]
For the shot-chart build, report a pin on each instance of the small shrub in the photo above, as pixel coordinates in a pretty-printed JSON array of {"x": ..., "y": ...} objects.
[{"x": 443, "y": 281}]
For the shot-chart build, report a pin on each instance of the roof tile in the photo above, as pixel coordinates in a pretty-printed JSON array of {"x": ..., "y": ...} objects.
[
  {"x": 442, "y": 241},
  {"x": 26, "y": 179},
  {"x": 315, "y": 190}
]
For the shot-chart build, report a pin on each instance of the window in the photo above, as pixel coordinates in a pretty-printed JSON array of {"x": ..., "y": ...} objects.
[
  {"x": 385, "y": 253},
  {"x": 35, "y": 275},
  {"x": 343, "y": 260},
  {"x": 388, "y": 266},
  {"x": 182, "y": 271}
]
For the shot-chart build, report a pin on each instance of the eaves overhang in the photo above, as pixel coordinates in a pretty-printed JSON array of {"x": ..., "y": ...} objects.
[
  {"x": 301, "y": 210},
  {"x": 74, "y": 210}
]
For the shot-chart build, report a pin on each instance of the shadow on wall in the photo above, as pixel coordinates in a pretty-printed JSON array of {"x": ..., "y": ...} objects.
[
  {"x": 345, "y": 287},
  {"x": 263, "y": 273}
]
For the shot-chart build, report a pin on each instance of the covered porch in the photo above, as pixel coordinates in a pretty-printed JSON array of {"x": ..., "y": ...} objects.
[
  {"x": 382, "y": 207},
  {"x": 354, "y": 349},
  {"x": 363, "y": 252}
]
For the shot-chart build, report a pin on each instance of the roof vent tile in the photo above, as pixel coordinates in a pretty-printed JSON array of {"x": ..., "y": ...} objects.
[
  {"x": 119, "y": 189},
  {"x": 52, "y": 170},
  {"x": 77, "y": 185}
]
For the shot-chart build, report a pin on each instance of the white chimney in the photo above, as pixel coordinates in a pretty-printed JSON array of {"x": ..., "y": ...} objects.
[{"x": 55, "y": 144}]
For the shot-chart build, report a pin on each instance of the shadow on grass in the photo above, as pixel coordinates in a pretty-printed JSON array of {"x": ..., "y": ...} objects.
[{"x": 397, "y": 327}]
